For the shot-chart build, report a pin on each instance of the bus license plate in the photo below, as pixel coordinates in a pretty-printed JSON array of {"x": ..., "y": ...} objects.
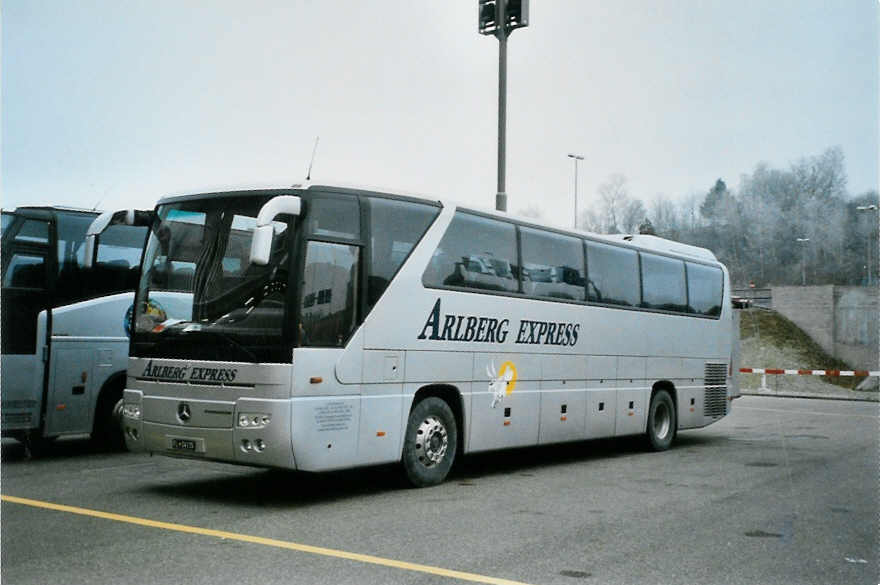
[{"x": 183, "y": 445}]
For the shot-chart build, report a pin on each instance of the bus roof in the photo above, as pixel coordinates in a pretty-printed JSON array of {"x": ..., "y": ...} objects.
[
  {"x": 640, "y": 241},
  {"x": 52, "y": 208}
]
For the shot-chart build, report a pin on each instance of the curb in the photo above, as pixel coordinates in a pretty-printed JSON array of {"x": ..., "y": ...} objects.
[{"x": 869, "y": 397}]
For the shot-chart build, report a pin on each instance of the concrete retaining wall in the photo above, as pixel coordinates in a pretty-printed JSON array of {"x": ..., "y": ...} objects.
[
  {"x": 857, "y": 325},
  {"x": 843, "y": 320}
]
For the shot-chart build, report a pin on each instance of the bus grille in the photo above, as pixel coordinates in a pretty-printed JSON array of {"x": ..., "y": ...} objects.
[
  {"x": 715, "y": 400},
  {"x": 16, "y": 418}
]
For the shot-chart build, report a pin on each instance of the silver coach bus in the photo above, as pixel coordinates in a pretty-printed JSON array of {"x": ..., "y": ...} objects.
[{"x": 322, "y": 327}]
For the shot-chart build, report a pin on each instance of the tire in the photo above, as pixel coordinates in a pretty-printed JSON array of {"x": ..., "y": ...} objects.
[
  {"x": 662, "y": 421},
  {"x": 107, "y": 433},
  {"x": 36, "y": 445},
  {"x": 430, "y": 442}
]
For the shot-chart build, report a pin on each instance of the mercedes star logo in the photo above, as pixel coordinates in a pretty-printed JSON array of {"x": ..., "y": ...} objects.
[{"x": 183, "y": 412}]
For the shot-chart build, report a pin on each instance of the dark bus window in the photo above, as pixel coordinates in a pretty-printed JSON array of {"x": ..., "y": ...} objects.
[
  {"x": 8, "y": 218},
  {"x": 33, "y": 230},
  {"x": 328, "y": 311},
  {"x": 72, "y": 284},
  {"x": 612, "y": 275},
  {"x": 333, "y": 217},
  {"x": 25, "y": 271},
  {"x": 476, "y": 252},
  {"x": 122, "y": 243},
  {"x": 395, "y": 228},
  {"x": 24, "y": 296},
  {"x": 118, "y": 260},
  {"x": 71, "y": 240},
  {"x": 704, "y": 289},
  {"x": 553, "y": 265},
  {"x": 663, "y": 284}
]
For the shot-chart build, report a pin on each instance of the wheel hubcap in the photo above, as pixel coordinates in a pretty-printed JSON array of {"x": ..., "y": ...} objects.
[
  {"x": 432, "y": 441},
  {"x": 662, "y": 421}
]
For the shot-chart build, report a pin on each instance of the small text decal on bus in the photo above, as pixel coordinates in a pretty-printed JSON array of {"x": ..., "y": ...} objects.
[{"x": 440, "y": 327}]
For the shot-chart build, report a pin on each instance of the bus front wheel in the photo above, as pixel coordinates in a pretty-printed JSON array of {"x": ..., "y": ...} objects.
[
  {"x": 107, "y": 431},
  {"x": 430, "y": 442},
  {"x": 662, "y": 422}
]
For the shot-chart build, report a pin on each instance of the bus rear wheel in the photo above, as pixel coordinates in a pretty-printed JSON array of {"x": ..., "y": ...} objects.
[
  {"x": 430, "y": 442},
  {"x": 662, "y": 422}
]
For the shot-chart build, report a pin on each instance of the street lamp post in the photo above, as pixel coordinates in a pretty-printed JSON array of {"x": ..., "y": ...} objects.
[
  {"x": 803, "y": 241},
  {"x": 868, "y": 244},
  {"x": 576, "y": 158},
  {"x": 500, "y": 18}
]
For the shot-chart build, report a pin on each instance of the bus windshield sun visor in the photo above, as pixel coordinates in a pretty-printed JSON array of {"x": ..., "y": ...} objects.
[{"x": 261, "y": 244}]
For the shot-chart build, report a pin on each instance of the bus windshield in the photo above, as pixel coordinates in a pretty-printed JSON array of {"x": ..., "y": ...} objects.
[{"x": 199, "y": 297}]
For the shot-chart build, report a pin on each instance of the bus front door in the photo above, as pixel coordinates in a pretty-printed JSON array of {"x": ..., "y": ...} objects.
[{"x": 26, "y": 268}]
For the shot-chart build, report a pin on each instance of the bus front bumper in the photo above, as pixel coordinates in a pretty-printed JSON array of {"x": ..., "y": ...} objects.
[{"x": 259, "y": 435}]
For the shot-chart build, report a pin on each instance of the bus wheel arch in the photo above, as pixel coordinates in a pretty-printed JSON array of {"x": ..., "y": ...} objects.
[
  {"x": 431, "y": 439},
  {"x": 107, "y": 424},
  {"x": 452, "y": 396},
  {"x": 661, "y": 425}
]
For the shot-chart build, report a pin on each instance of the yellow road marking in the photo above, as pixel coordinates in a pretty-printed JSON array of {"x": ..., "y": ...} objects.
[{"x": 316, "y": 550}]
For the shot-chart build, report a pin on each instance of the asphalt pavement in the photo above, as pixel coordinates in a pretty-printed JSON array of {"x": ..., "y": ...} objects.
[{"x": 781, "y": 491}]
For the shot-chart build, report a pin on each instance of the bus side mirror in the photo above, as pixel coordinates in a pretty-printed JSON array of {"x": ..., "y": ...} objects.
[{"x": 261, "y": 244}]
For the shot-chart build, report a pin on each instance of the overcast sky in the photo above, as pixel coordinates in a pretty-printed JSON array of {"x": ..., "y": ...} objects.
[{"x": 117, "y": 103}]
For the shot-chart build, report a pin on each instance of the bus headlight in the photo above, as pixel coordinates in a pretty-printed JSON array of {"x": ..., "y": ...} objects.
[
  {"x": 254, "y": 420},
  {"x": 131, "y": 410}
]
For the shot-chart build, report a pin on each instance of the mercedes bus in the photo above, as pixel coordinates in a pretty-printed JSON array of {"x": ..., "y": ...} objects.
[
  {"x": 324, "y": 327},
  {"x": 66, "y": 298}
]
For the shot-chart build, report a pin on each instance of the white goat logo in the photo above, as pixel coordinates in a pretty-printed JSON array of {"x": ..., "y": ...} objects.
[{"x": 502, "y": 382}]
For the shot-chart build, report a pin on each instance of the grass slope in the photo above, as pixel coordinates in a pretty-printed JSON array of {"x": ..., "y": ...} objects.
[{"x": 769, "y": 340}]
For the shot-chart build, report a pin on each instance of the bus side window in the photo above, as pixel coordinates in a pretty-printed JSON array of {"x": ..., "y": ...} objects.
[
  {"x": 663, "y": 283},
  {"x": 119, "y": 256},
  {"x": 554, "y": 265},
  {"x": 704, "y": 289},
  {"x": 328, "y": 309},
  {"x": 395, "y": 227},
  {"x": 613, "y": 273},
  {"x": 25, "y": 271},
  {"x": 478, "y": 253},
  {"x": 72, "y": 284}
]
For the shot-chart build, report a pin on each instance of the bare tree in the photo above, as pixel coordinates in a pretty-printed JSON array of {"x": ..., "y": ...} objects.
[
  {"x": 532, "y": 211},
  {"x": 633, "y": 215},
  {"x": 613, "y": 197},
  {"x": 665, "y": 218}
]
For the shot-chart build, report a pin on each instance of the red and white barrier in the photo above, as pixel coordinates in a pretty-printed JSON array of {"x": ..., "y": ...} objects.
[{"x": 776, "y": 372}]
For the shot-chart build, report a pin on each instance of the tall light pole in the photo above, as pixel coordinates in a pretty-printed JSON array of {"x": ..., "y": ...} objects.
[
  {"x": 803, "y": 242},
  {"x": 576, "y": 158},
  {"x": 868, "y": 245},
  {"x": 500, "y": 18}
]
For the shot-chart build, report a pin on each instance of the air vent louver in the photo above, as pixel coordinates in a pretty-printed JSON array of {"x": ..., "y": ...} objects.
[{"x": 715, "y": 400}]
